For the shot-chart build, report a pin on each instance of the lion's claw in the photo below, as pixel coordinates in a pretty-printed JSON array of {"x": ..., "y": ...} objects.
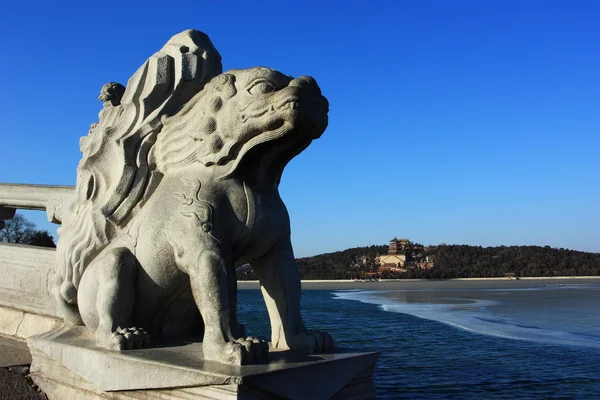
[
  {"x": 129, "y": 338},
  {"x": 257, "y": 351},
  {"x": 242, "y": 351},
  {"x": 312, "y": 342}
]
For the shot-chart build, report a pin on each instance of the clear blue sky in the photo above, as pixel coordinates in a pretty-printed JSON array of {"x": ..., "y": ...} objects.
[{"x": 468, "y": 122}]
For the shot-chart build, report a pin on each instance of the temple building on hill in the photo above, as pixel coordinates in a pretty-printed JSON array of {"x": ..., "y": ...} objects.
[
  {"x": 398, "y": 245},
  {"x": 395, "y": 259}
]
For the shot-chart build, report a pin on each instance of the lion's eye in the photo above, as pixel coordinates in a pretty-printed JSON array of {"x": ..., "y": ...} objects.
[{"x": 261, "y": 87}]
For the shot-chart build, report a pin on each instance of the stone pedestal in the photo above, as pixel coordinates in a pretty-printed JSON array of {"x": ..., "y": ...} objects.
[{"x": 67, "y": 364}]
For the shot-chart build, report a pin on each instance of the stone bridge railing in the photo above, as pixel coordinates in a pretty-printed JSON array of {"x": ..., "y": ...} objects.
[
  {"x": 49, "y": 198},
  {"x": 26, "y": 305}
]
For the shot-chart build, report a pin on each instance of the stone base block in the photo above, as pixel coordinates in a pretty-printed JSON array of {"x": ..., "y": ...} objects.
[
  {"x": 22, "y": 324},
  {"x": 67, "y": 364}
]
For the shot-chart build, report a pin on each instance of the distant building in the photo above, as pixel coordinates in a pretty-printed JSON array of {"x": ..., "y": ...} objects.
[
  {"x": 511, "y": 275},
  {"x": 392, "y": 261},
  {"x": 389, "y": 267},
  {"x": 404, "y": 243},
  {"x": 395, "y": 259},
  {"x": 426, "y": 263},
  {"x": 394, "y": 246},
  {"x": 398, "y": 245}
]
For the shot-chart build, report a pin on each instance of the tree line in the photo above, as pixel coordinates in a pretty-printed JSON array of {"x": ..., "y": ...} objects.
[
  {"x": 461, "y": 261},
  {"x": 347, "y": 264},
  {"x": 20, "y": 230},
  {"x": 451, "y": 261}
]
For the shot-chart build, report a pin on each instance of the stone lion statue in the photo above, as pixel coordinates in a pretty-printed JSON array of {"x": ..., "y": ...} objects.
[{"x": 177, "y": 186}]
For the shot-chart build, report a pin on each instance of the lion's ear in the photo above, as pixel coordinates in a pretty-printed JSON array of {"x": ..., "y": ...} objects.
[{"x": 225, "y": 85}]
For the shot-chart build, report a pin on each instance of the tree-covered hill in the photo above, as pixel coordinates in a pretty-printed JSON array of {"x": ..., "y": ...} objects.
[
  {"x": 346, "y": 264},
  {"x": 450, "y": 261},
  {"x": 476, "y": 261},
  {"x": 20, "y": 230}
]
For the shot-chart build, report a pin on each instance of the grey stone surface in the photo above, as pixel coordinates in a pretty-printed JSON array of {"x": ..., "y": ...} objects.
[
  {"x": 178, "y": 185},
  {"x": 26, "y": 306},
  {"x": 66, "y": 360},
  {"x": 21, "y": 324},
  {"x": 10, "y": 320},
  {"x": 25, "y": 272},
  {"x": 13, "y": 352},
  {"x": 32, "y": 197},
  {"x": 33, "y": 324}
]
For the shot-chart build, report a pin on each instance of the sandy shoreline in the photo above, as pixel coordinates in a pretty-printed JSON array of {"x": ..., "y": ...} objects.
[{"x": 468, "y": 283}]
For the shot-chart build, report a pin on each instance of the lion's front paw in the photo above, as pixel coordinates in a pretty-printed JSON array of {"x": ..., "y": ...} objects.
[
  {"x": 243, "y": 351},
  {"x": 257, "y": 350},
  {"x": 312, "y": 342},
  {"x": 124, "y": 339}
]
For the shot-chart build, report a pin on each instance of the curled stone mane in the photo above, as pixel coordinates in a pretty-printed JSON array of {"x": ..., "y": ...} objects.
[
  {"x": 114, "y": 175},
  {"x": 79, "y": 245},
  {"x": 178, "y": 146}
]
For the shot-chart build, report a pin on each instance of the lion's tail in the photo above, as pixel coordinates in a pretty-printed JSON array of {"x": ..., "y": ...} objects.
[
  {"x": 80, "y": 240},
  {"x": 65, "y": 294}
]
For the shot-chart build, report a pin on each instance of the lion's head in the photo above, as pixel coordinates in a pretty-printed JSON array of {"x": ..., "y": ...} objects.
[{"x": 236, "y": 112}]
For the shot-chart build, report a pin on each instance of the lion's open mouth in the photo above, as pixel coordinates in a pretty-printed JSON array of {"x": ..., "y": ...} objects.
[
  {"x": 312, "y": 117},
  {"x": 276, "y": 131}
]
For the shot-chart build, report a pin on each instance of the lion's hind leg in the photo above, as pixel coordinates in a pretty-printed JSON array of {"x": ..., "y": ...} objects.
[
  {"x": 280, "y": 285},
  {"x": 106, "y": 299}
]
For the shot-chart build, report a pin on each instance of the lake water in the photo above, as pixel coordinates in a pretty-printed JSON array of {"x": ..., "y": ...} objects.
[{"x": 532, "y": 342}]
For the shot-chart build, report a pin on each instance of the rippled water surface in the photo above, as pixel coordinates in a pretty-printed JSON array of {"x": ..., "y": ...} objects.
[{"x": 541, "y": 342}]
